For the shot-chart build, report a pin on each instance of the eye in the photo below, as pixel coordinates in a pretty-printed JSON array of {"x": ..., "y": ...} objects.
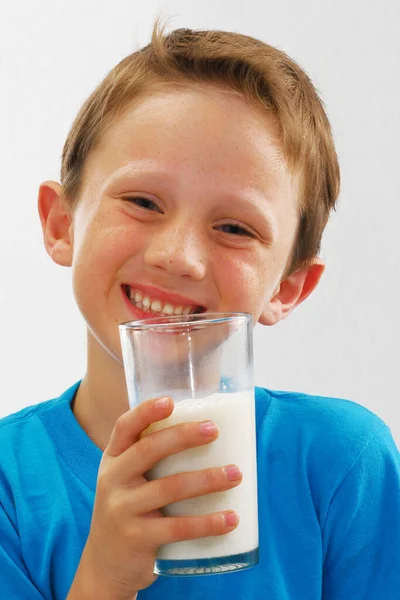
[
  {"x": 235, "y": 229},
  {"x": 143, "y": 202}
]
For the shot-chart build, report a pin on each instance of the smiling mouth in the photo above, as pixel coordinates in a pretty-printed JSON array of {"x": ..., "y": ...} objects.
[{"x": 158, "y": 307}]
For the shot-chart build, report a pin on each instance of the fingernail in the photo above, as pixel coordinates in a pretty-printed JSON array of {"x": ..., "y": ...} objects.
[
  {"x": 162, "y": 402},
  {"x": 232, "y": 473},
  {"x": 208, "y": 428},
  {"x": 231, "y": 519}
]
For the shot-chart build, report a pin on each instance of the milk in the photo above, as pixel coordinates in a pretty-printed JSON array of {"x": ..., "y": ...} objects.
[{"x": 234, "y": 414}]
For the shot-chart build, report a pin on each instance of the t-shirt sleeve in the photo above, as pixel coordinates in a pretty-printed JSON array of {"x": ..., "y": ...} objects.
[
  {"x": 15, "y": 583},
  {"x": 361, "y": 534}
]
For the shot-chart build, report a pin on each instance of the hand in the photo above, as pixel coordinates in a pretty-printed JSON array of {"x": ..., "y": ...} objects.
[{"x": 127, "y": 526}]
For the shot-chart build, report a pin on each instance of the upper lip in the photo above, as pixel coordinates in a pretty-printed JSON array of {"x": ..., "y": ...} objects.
[{"x": 165, "y": 296}]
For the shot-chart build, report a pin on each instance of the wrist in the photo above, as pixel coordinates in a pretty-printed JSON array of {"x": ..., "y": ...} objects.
[{"x": 88, "y": 584}]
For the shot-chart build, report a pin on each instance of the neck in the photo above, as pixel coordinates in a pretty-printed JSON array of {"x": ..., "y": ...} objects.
[{"x": 102, "y": 396}]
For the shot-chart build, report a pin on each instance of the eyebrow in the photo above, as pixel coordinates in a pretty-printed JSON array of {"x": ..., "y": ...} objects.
[
  {"x": 244, "y": 201},
  {"x": 145, "y": 167},
  {"x": 247, "y": 202}
]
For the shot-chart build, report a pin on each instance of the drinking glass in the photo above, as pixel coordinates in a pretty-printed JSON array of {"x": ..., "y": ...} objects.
[{"x": 205, "y": 363}]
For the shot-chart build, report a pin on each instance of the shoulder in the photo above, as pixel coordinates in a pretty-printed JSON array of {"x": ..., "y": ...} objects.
[
  {"x": 329, "y": 435},
  {"x": 318, "y": 414},
  {"x": 29, "y": 416},
  {"x": 23, "y": 432},
  {"x": 24, "y": 417}
]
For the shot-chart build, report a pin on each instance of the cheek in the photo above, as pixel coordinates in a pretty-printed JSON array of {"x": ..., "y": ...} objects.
[
  {"x": 105, "y": 243},
  {"x": 96, "y": 260},
  {"x": 245, "y": 283}
]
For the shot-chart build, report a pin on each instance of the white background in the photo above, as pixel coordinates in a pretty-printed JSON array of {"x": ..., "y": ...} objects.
[{"x": 343, "y": 341}]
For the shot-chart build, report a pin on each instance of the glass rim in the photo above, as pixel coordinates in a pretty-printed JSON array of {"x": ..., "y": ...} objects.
[{"x": 164, "y": 321}]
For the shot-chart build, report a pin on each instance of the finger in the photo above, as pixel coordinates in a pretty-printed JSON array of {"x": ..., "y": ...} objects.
[
  {"x": 161, "y": 492},
  {"x": 130, "y": 425},
  {"x": 149, "y": 450},
  {"x": 167, "y": 530}
]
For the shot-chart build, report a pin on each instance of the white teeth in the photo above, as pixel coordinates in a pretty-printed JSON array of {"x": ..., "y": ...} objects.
[
  {"x": 146, "y": 302},
  {"x": 156, "y": 306},
  {"x": 168, "y": 309}
]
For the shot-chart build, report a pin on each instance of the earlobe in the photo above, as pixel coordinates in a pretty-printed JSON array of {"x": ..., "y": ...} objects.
[
  {"x": 291, "y": 291},
  {"x": 56, "y": 222}
]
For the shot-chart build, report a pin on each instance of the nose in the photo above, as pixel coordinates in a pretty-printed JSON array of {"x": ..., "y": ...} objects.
[{"x": 178, "y": 249}]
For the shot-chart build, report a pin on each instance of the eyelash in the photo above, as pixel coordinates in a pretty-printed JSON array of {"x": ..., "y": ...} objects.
[
  {"x": 138, "y": 199},
  {"x": 240, "y": 230},
  {"x": 243, "y": 231}
]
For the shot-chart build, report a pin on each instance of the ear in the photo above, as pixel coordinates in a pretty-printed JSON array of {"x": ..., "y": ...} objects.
[
  {"x": 56, "y": 221},
  {"x": 291, "y": 292}
]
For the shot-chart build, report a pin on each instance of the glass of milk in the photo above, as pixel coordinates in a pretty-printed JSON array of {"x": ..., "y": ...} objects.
[{"x": 205, "y": 363}]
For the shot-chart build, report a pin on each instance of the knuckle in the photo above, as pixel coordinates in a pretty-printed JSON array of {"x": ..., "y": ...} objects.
[
  {"x": 134, "y": 534},
  {"x": 180, "y": 529},
  {"x": 186, "y": 431},
  {"x": 176, "y": 489},
  {"x": 212, "y": 479},
  {"x": 121, "y": 424},
  {"x": 176, "y": 438},
  {"x": 217, "y": 524},
  {"x": 183, "y": 528},
  {"x": 102, "y": 485},
  {"x": 145, "y": 446},
  {"x": 115, "y": 507},
  {"x": 148, "y": 404}
]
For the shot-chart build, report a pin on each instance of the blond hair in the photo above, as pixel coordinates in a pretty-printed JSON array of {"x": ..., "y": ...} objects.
[{"x": 264, "y": 75}]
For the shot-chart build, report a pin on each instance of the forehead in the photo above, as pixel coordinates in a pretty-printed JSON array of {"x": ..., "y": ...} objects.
[{"x": 204, "y": 124}]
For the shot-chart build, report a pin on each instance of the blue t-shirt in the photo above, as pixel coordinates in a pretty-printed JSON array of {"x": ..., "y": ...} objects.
[{"x": 329, "y": 505}]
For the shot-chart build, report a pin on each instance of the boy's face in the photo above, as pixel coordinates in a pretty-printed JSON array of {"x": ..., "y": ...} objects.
[{"x": 187, "y": 204}]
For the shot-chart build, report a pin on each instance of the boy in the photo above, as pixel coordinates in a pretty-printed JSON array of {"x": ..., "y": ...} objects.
[{"x": 198, "y": 176}]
